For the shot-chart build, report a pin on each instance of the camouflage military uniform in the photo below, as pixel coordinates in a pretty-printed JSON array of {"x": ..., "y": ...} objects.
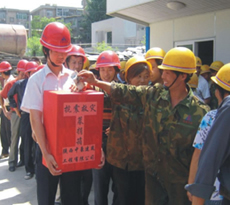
[
  {"x": 168, "y": 134},
  {"x": 124, "y": 153},
  {"x": 102, "y": 177},
  {"x": 124, "y": 146}
]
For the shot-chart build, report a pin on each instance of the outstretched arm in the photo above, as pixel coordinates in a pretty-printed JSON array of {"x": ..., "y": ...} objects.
[{"x": 89, "y": 77}]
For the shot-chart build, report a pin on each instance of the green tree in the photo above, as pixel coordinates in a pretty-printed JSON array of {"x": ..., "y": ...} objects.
[
  {"x": 102, "y": 47},
  {"x": 95, "y": 10},
  {"x": 38, "y": 24},
  {"x": 34, "y": 47},
  {"x": 143, "y": 42}
]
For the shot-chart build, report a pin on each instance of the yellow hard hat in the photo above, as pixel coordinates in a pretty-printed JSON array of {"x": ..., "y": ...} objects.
[
  {"x": 198, "y": 61},
  {"x": 179, "y": 59},
  {"x": 92, "y": 67},
  {"x": 86, "y": 64},
  {"x": 134, "y": 60},
  {"x": 222, "y": 77},
  {"x": 204, "y": 69},
  {"x": 193, "y": 82},
  {"x": 155, "y": 53},
  {"x": 122, "y": 66},
  {"x": 216, "y": 65}
]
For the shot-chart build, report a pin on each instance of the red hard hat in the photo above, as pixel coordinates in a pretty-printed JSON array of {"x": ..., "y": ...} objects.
[
  {"x": 5, "y": 66},
  {"x": 56, "y": 37},
  {"x": 21, "y": 65},
  {"x": 77, "y": 51},
  {"x": 40, "y": 67},
  {"x": 106, "y": 59},
  {"x": 31, "y": 66}
]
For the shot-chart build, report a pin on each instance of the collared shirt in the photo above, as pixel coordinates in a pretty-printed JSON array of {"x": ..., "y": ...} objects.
[
  {"x": 215, "y": 156},
  {"x": 43, "y": 80},
  {"x": 19, "y": 89},
  {"x": 167, "y": 132},
  {"x": 203, "y": 88}
]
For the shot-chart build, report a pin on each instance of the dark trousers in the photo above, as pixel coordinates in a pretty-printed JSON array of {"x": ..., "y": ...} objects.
[
  {"x": 5, "y": 134},
  {"x": 130, "y": 186},
  {"x": 27, "y": 142},
  {"x": 101, "y": 180},
  {"x": 225, "y": 201},
  {"x": 21, "y": 149},
  {"x": 157, "y": 193},
  {"x": 70, "y": 185},
  {"x": 86, "y": 185}
]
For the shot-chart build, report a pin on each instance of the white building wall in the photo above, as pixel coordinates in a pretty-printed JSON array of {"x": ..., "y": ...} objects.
[
  {"x": 161, "y": 35},
  {"x": 123, "y": 32},
  {"x": 222, "y": 31},
  {"x": 210, "y": 25},
  {"x": 114, "y": 24},
  {"x": 194, "y": 27}
]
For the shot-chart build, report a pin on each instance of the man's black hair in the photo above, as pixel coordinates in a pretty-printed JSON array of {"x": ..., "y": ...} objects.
[
  {"x": 222, "y": 91},
  {"x": 7, "y": 72}
]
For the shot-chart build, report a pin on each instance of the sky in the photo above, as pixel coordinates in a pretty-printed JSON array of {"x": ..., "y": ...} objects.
[{"x": 33, "y": 4}]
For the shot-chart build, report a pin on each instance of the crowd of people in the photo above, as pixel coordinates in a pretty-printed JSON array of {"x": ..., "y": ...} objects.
[{"x": 165, "y": 132}]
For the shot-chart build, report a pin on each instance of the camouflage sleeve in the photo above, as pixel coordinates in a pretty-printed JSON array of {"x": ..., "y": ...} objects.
[{"x": 128, "y": 94}]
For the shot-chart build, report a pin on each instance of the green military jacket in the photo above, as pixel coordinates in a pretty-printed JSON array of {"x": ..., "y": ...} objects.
[
  {"x": 124, "y": 144},
  {"x": 167, "y": 133}
]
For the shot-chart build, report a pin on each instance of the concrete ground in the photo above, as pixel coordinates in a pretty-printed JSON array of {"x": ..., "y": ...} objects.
[{"x": 15, "y": 190}]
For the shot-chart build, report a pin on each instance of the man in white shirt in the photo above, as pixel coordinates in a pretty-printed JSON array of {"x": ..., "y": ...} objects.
[
  {"x": 203, "y": 86},
  {"x": 56, "y": 43}
]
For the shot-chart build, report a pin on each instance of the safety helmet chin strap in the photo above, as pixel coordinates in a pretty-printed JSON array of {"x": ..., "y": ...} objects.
[
  {"x": 167, "y": 87},
  {"x": 53, "y": 64}
]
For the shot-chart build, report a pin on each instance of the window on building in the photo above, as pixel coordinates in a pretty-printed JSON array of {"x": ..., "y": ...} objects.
[
  {"x": 202, "y": 48},
  {"x": 21, "y": 16},
  {"x": 79, "y": 12},
  {"x": 49, "y": 13},
  {"x": 2, "y": 15},
  {"x": 205, "y": 51},
  {"x": 66, "y": 12},
  {"x": 11, "y": 19},
  {"x": 63, "y": 12},
  {"x": 59, "y": 12},
  {"x": 109, "y": 37}
]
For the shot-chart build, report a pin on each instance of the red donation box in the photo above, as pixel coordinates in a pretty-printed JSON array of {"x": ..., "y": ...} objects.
[{"x": 73, "y": 125}]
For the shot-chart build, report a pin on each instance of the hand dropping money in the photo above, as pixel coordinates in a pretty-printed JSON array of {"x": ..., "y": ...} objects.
[{"x": 77, "y": 80}]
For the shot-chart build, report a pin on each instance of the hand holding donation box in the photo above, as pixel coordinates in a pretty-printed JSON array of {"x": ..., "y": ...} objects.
[{"x": 73, "y": 126}]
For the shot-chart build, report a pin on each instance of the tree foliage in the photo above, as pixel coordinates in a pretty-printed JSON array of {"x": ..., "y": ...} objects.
[
  {"x": 102, "y": 47},
  {"x": 95, "y": 10},
  {"x": 34, "y": 47},
  {"x": 38, "y": 24}
]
